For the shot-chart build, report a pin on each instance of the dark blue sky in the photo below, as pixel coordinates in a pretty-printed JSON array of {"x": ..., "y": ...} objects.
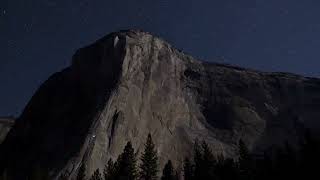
[{"x": 38, "y": 37}]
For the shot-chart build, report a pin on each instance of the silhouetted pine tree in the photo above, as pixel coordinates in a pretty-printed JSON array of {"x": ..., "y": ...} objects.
[
  {"x": 197, "y": 158},
  {"x": 96, "y": 175},
  {"x": 168, "y": 172},
  {"x": 149, "y": 161},
  {"x": 309, "y": 156},
  {"x": 81, "y": 172},
  {"x": 264, "y": 167},
  {"x": 226, "y": 169},
  {"x": 208, "y": 162},
  {"x": 187, "y": 169},
  {"x": 204, "y": 161},
  {"x": 109, "y": 171},
  {"x": 245, "y": 162},
  {"x": 63, "y": 176},
  {"x": 176, "y": 175},
  {"x": 39, "y": 173},
  {"x": 285, "y": 163},
  {"x": 126, "y": 167}
]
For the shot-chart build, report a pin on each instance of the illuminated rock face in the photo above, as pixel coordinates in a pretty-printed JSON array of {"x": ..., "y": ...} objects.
[
  {"x": 5, "y": 125},
  {"x": 131, "y": 83}
]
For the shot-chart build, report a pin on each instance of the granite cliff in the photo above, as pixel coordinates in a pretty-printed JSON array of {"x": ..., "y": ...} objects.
[
  {"x": 5, "y": 125},
  {"x": 130, "y": 83}
]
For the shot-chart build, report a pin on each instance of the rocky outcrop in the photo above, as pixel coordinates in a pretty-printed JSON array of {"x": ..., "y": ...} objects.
[
  {"x": 130, "y": 83},
  {"x": 5, "y": 125}
]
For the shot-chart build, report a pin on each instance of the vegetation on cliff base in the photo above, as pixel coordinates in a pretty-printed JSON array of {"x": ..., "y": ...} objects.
[{"x": 281, "y": 163}]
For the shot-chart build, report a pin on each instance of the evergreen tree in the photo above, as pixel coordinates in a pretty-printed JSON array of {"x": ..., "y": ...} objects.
[
  {"x": 245, "y": 162},
  {"x": 309, "y": 156},
  {"x": 96, "y": 175},
  {"x": 176, "y": 175},
  {"x": 197, "y": 158},
  {"x": 208, "y": 162},
  {"x": 226, "y": 169},
  {"x": 204, "y": 161},
  {"x": 265, "y": 168},
  {"x": 149, "y": 159},
  {"x": 126, "y": 167},
  {"x": 81, "y": 172},
  {"x": 168, "y": 172},
  {"x": 285, "y": 162},
  {"x": 63, "y": 176},
  {"x": 187, "y": 169},
  {"x": 109, "y": 170},
  {"x": 39, "y": 173}
]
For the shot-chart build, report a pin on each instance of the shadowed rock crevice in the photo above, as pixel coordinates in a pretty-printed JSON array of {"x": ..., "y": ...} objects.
[{"x": 113, "y": 126}]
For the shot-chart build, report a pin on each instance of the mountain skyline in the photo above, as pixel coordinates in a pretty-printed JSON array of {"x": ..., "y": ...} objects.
[{"x": 40, "y": 37}]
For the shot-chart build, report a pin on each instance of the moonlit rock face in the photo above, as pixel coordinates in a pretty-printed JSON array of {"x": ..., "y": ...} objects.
[
  {"x": 131, "y": 83},
  {"x": 6, "y": 124},
  {"x": 116, "y": 40}
]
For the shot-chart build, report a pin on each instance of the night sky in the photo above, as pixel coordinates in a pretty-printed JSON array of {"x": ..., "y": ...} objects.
[{"x": 39, "y": 37}]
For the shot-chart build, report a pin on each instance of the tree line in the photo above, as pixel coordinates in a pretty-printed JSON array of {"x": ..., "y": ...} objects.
[
  {"x": 281, "y": 163},
  {"x": 285, "y": 162},
  {"x": 126, "y": 168}
]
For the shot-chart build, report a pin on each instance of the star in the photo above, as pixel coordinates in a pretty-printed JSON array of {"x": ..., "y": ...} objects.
[
  {"x": 4, "y": 12},
  {"x": 285, "y": 11}
]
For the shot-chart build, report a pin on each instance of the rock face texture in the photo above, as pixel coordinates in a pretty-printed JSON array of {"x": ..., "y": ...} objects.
[
  {"x": 130, "y": 83},
  {"x": 5, "y": 125}
]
